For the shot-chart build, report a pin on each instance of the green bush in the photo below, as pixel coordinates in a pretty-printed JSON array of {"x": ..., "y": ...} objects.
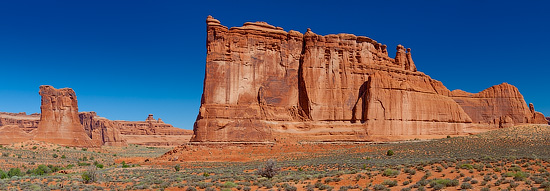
[
  {"x": 390, "y": 172},
  {"x": 14, "y": 172},
  {"x": 124, "y": 165},
  {"x": 389, "y": 153},
  {"x": 177, "y": 167},
  {"x": 229, "y": 184},
  {"x": 390, "y": 183},
  {"x": 520, "y": 176},
  {"x": 89, "y": 176},
  {"x": 3, "y": 174},
  {"x": 41, "y": 170}
]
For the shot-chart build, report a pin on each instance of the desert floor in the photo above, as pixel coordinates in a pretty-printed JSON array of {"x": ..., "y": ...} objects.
[{"x": 516, "y": 158}]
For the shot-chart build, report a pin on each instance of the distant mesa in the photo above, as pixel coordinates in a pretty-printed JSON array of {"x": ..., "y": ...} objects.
[
  {"x": 60, "y": 122},
  {"x": 263, "y": 84}
]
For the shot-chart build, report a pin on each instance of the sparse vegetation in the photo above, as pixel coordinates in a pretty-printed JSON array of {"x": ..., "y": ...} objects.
[
  {"x": 269, "y": 170},
  {"x": 506, "y": 159}
]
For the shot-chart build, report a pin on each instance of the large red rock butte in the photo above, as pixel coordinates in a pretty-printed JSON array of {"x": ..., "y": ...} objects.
[
  {"x": 59, "y": 120},
  {"x": 264, "y": 84}
]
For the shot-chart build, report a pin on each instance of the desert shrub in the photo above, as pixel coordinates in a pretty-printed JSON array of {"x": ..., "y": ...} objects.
[
  {"x": 466, "y": 166},
  {"x": 537, "y": 179},
  {"x": 229, "y": 184},
  {"x": 90, "y": 176},
  {"x": 466, "y": 185},
  {"x": 269, "y": 170},
  {"x": 40, "y": 170},
  {"x": 246, "y": 188},
  {"x": 390, "y": 172},
  {"x": 474, "y": 182},
  {"x": 124, "y": 165},
  {"x": 406, "y": 182},
  {"x": 288, "y": 187},
  {"x": 545, "y": 184},
  {"x": 438, "y": 186},
  {"x": 321, "y": 186},
  {"x": 14, "y": 172},
  {"x": 3, "y": 174},
  {"x": 379, "y": 187},
  {"x": 389, "y": 153},
  {"x": 406, "y": 189},
  {"x": 177, "y": 167},
  {"x": 390, "y": 183},
  {"x": 485, "y": 189},
  {"x": 520, "y": 176},
  {"x": 191, "y": 188},
  {"x": 423, "y": 182},
  {"x": 410, "y": 171}
]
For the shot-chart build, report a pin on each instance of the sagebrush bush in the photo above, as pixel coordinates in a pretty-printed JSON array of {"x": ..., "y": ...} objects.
[{"x": 269, "y": 170}]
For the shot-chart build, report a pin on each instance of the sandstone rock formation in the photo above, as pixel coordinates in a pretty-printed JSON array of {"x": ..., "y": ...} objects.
[
  {"x": 101, "y": 130},
  {"x": 150, "y": 126},
  {"x": 13, "y": 133},
  {"x": 61, "y": 123},
  {"x": 500, "y": 105},
  {"x": 263, "y": 84},
  {"x": 59, "y": 120},
  {"x": 26, "y": 122},
  {"x": 152, "y": 132}
]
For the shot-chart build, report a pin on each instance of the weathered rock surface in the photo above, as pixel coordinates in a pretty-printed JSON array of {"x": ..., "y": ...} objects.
[
  {"x": 263, "y": 84},
  {"x": 150, "y": 126},
  {"x": 101, "y": 130},
  {"x": 59, "y": 120},
  {"x": 501, "y": 105},
  {"x": 26, "y": 122},
  {"x": 548, "y": 119},
  {"x": 12, "y": 134}
]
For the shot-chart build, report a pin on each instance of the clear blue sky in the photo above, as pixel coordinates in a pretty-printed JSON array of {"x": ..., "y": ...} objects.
[{"x": 126, "y": 59}]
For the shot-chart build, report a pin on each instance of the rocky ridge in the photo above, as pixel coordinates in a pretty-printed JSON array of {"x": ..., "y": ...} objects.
[
  {"x": 263, "y": 84},
  {"x": 60, "y": 122}
]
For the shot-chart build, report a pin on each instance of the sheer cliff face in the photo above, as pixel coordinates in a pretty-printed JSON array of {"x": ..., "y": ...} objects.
[{"x": 265, "y": 84}]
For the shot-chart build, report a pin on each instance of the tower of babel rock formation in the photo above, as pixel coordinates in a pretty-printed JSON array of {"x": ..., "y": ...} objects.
[{"x": 264, "y": 84}]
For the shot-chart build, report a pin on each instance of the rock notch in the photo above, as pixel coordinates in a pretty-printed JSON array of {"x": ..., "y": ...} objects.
[{"x": 263, "y": 84}]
